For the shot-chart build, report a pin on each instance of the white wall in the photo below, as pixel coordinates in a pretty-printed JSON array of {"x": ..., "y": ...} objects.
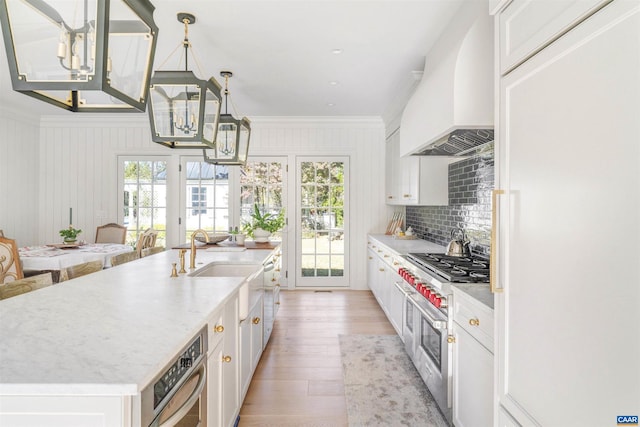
[
  {"x": 78, "y": 168},
  {"x": 19, "y": 172}
]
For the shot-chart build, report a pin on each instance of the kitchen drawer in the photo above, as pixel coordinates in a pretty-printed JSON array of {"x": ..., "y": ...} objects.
[
  {"x": 474, "y": 317},
  {"x": 527, "y": 26},
  {"x": 216, "y": 328}
]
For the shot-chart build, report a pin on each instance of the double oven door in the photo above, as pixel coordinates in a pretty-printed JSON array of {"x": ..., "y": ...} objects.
[{"x": 425, "y": 337}]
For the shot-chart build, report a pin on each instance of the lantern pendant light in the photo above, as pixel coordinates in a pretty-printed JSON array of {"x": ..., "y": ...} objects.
[
  {"x": 183, "y": 109},
  {"x": 81, "y": 55},
  {"x": 232, "y": 142}
]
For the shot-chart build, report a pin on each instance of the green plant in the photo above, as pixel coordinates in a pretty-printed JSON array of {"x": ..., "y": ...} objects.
[
  {"x": 70, "y": 233},
  {"x": 267, "y": 221}
]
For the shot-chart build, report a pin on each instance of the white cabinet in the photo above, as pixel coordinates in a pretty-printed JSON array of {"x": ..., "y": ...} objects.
[
  {"x": 223, "y": 377},
  {"x": 568, "y": 155},
  {"x": 472, "y": 362},
  {"x": 415, "y": 180},
  {"x": 250, "y": 345},
  {"x": 527, "y": 26}
]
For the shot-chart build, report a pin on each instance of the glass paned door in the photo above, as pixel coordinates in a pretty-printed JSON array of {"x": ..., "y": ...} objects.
[
  {"x": 322, "y": 235},
  {"x": 205, "y": 203},
  {"x": 262, "y": 182},
  {"x": 144, "y": 197}
]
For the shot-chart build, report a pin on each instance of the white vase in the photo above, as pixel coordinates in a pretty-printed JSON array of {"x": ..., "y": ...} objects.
[{"x": 260, "y": 235}]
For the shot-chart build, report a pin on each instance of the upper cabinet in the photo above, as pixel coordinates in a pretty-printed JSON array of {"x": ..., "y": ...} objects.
[
  {"x": 527, "y": 26},
  {"x": 415, "y": 180},
  {"x": 456, "y": 91}
]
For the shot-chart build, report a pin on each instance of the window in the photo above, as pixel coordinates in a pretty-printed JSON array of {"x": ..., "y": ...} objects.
[
  {"x": 206, "y": 196},
  {"x": 144, "y": 197},
  {"x": 262, "y": 183},
  {"x": 199, "y": 199}
]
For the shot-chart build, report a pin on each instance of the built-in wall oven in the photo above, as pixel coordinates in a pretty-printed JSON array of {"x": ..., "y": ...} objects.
[{"x": 178, "y": 395}]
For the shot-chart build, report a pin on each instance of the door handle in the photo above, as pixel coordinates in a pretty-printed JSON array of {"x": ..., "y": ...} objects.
[{"x": 493, "y": 276}]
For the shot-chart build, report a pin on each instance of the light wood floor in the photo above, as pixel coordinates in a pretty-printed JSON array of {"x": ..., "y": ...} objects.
[{"x": 298, "y": 381}]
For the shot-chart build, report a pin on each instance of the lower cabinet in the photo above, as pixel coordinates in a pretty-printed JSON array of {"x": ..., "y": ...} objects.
[
  {"x": 223, "y": 381},
  {"x": 472, "y": 362},
  {"x": 250, "y": 345}
]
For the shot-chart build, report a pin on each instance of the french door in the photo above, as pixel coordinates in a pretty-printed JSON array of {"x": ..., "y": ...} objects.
[{"x": 322, "y": 235}]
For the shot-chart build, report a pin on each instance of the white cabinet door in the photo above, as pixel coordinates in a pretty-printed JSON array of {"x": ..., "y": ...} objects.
[
  {"x": 569, "y": 156},
  {"x": 392, "y": 169},
  {"x": 230, "y": 365},
  {"x": 526, "y": 26},
  {"x": 472, "y": 381},
  {"x": 214, "y": 386},
  {"x": 396, "y": 304}
]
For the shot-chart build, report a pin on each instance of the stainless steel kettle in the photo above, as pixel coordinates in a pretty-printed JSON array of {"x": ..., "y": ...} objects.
[{"x": 460, "y": 246}]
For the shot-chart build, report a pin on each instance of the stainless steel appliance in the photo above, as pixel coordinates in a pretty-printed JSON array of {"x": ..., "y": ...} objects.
[
  {"x": 427, "y": 324},
  {"x": 177, "y": 396}
]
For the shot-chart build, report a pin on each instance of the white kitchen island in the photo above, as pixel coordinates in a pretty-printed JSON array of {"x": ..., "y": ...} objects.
[{"x": 90, "y": 345}]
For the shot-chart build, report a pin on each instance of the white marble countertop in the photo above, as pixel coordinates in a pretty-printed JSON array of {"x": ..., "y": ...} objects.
[
  {"x": 403, "y": 247},
  {"x": 111, "y": 332},
  {"x": 477, "y": 291}
]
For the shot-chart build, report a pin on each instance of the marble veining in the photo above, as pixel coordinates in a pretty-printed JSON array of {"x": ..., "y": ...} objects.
[{"x": 109, "y": 332}]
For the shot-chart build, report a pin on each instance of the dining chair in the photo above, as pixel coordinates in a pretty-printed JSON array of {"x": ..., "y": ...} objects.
[
  {"x": 146, "y": 240},
  {"x": 152, "y": 251},
  {"x": 111, "y": 233},
  {"x": 22, "y": 286},
  {"x": 80, "y": 270},
  {"x": 10, "y": 267},
  {"x": 124, "y": 258}
]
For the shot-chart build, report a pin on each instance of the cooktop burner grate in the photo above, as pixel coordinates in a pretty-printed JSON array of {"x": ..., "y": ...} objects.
[{"x": 454, "y": 269}]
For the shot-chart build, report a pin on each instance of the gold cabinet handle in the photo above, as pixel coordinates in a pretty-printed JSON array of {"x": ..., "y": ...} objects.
[
  {"x": 386, "y": 256},
  {"x": 277, "y": 285},
  {"x": 277, "y": 302},
  {"x": 396, "y": 263},
  {"x": 219, "y": 328},
  {"x": 226, "y": 359},
  {"x": 474, "y": 322},
  {"x": 379, "y": 250},
  {"x": 493, "y": 245},
  {"x": 273, "y": 279},
  {"x": 381, "y": 269},
  {"x": 370, "y": 257},
  {"x": 256, "y": 320},
  {"x": 451, "y": 339},
  {"x": 277, "y": 269},
  {"x": 406, "y": 195}
]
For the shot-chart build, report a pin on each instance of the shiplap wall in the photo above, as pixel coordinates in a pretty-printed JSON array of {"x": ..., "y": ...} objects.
[
  {"x": 19, "y": 176},
  {"x": 78, "y": 168}
]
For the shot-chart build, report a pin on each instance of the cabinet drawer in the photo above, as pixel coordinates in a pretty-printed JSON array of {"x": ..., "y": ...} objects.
[
  {"x": 474, "y": 317},
  {"x": 526, "y": 26}
]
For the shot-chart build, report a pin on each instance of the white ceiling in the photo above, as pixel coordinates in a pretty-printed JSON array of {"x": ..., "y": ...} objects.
[{"x": 281, "y": 52}]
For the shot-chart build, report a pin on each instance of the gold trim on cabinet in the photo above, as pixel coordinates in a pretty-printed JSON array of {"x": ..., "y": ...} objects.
[{"x": 494, "y": 254}]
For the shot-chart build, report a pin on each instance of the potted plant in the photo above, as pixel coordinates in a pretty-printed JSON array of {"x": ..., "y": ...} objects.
[
  {"x": 262, "y": 225},
  {"x": 70, "y": 235}
]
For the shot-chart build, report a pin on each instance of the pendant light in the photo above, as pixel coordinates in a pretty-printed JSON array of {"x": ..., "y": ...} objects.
[
  {"x": 232, "y": 142},
  {"x": 183, "y": 109},
  {"x": 81, "y": 55}
]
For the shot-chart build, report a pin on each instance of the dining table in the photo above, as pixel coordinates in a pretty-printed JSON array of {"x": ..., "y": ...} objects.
[{"x": 57, "y": 257}]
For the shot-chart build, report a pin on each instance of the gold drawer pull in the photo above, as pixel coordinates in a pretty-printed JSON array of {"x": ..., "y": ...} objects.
[
  {"x": 219, "y": 328},
  {"x": 474, "y": 322},
  {"x": 381, "y": 269},
  {"x": 256, "y": 320},
  {"x": 226, "y": 359}
]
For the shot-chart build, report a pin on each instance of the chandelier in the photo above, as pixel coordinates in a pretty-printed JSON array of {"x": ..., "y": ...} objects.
[
  {"x": 184, "y": 110},
  {"x": 232, "y": 142},
  {"x": 81, "y": 55}
]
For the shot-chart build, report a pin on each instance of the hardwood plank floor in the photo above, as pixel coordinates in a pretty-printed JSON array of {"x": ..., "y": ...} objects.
[{"x": 298, "y": 381}]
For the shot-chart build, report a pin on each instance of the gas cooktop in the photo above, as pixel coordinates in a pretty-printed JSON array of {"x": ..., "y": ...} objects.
[{"x": 452, "y": 268}]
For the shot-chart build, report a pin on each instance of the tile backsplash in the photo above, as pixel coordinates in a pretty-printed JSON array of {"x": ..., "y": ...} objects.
[{"x": 470, "y": 184}]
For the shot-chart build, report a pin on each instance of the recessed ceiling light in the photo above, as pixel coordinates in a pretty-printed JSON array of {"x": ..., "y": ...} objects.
[
  {"x": 336, "y": 51},
  {"x": 331, "y": 104},
  {"x": 333, "y": 83}
]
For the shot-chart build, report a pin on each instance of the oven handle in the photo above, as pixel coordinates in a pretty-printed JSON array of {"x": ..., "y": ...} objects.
[
  {"x": 186, "y": 406},
  {"x": 435, "y": 324}
]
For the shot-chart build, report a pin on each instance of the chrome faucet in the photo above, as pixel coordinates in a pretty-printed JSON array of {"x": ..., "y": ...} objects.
[{"x": 192, "y": 264}]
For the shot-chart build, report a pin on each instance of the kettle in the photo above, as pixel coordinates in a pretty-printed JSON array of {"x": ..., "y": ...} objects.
[{"x": 458, "y": 247}]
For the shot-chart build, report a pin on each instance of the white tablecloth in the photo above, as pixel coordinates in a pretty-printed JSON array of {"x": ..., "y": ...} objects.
[{"x": 50, "y": 258}]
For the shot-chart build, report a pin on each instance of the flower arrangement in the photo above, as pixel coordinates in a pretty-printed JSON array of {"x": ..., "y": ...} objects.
[{"x": 70, "y": 234}]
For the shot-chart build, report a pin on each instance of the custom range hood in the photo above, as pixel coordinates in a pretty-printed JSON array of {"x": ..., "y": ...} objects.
[{"x": 451, "y": 110}]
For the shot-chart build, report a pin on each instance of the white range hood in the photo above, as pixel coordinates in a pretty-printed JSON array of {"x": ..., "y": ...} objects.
[{"x": 456, "y": 91}]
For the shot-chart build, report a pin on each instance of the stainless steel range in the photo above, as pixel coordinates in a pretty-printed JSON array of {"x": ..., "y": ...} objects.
[{"x": 427, "y": 326}]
